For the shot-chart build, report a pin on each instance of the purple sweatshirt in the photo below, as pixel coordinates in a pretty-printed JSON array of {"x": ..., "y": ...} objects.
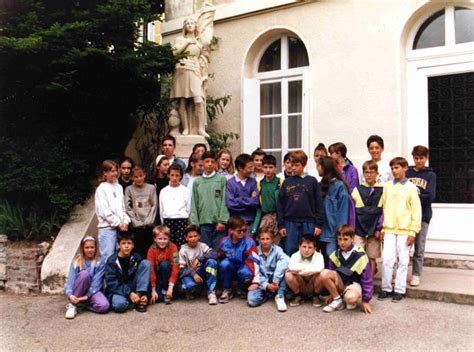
[
  {"x": 239, "y": 198},
  {"x": 351, "y": 175}
]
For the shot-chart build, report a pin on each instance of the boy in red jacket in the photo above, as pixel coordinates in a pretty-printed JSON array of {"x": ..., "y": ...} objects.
[{"x": 163, "y": 256}]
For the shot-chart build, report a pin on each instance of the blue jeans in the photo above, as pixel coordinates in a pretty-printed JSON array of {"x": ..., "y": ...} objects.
[
  {"x": 140, "y": 284},
  {"x": 163, "y": 273},
  {"x": 419, "y": 255},
  {"x": 210, "y": 236},
  {"x": 107, "y": 241},
  {"x": 207, "y": 271},
  {"x": 259, "y": 296},
  {"x": 294, "y": 231},
  {"x": 229, "y": 270}
]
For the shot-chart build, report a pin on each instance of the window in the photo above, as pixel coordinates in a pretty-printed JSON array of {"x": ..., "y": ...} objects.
[{"x": 280, "y": 73}]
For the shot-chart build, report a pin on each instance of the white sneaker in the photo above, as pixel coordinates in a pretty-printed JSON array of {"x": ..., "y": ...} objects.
[
  {"x": 71, "y": 311},
  {"x": 280, "y": 302},
  {"x": 415, "y": 281},
  {"x": 351, "y": 306},
  {"x": 334, "y": 305},
  {"x": 212, "y": 298}
]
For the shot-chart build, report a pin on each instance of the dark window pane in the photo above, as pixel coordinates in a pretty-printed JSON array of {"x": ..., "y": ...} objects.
[
  {"x": 297, "y": 51},
  {"x": 270, "y": 133},
  {"x": 431, "y": 33},
  {"x": 270, "y": 98},
  {"x": 294, "y": 131},
  {"x": 464, "y": 25},
  {"x": 271, "y": 59},
  {"x": 451, "y": 131},
  {"x": 295, "y": 96}
]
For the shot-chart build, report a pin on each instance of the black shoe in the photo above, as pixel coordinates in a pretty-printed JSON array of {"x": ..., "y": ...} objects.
[
  {"x": 384, "y": 295},
  {"x": 397, "y": 297},
  {"x": 140, "y": 308}
]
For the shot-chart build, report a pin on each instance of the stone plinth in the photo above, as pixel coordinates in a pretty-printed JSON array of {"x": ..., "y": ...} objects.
[{"x": 185, "y": 144}]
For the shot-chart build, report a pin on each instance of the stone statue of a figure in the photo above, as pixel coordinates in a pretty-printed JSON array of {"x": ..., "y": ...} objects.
[{"x": 190, "y": 76}]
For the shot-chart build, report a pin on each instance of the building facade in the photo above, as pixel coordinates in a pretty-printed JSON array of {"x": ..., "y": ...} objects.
[{"x": 304, "y": 72}]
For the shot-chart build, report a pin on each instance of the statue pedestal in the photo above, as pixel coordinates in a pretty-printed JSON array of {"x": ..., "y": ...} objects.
[{"x": 185, "y": 144}]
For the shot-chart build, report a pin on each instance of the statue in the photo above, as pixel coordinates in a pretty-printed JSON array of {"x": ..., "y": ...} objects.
[{"x": 190, "y": 76}]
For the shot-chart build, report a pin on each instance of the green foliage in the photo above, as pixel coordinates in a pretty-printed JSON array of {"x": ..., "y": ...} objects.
[
  {"x": 215, "y": 107},
  {"x": 73, "y": 81}
]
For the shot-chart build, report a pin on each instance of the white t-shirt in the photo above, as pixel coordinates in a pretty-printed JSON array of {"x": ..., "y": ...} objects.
[{"x": 385, "y": 172}]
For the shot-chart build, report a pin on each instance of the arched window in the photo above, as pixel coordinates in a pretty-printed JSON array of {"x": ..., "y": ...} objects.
[{"x": 281, "y": 84}]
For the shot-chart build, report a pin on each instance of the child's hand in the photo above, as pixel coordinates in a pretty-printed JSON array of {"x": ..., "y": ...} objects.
[
  {"x": 123, "y": 227},
  {"x": 220, "y": 227},
  {"x": 169, "y": 291},
  {"x": 134, "y": 298},
  {"x": 254, "y": 194},
  {"x": 73, "y": 299},
  {"x": 154, "y": 296},
  {"x": 317, "y": 231},
  {"x": 143, "y": 299},
  {"x": 366, "y": 308},
  {"x": 198, "y": 279},
  {"x": 282, "y": 232},
  {"x": 381, "y": 234},
  {"x": 377, "y": 234},
  {"x": 273, "y": 287},
  {"x": 195, "y": 264},
  {"x": 253, "y": 287},
  {"x": 410, "y": 241}
]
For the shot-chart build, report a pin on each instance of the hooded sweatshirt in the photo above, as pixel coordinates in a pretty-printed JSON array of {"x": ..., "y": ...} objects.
[{"x": 425, "y": 180}]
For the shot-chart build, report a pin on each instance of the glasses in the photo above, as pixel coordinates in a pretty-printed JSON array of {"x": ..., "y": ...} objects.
[{"x": 242, "y": 230}]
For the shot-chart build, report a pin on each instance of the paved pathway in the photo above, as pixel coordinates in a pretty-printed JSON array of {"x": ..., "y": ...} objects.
[{"x": 29, "y": 323}]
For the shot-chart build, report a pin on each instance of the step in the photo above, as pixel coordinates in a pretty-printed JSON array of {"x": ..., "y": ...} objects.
[
  {"x": 441, "y": 284},
  {"x": 453, "y": 261}
]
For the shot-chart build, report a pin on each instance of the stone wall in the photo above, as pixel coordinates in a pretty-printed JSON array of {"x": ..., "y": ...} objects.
[{"x": 3, "y": 260}]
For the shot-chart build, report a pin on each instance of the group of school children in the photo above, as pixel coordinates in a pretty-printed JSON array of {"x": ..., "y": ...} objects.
[{"x": 291, "y": 236}]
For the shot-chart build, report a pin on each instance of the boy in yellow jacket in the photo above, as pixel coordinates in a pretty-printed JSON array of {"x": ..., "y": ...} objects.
[{"x": 402, "y": 221}]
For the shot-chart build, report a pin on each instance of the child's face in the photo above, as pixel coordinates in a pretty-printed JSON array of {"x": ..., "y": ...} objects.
[
  {"x": 345, "y": 242},
  {"x": 298, "y": 169},
  {"x": 420, "y": 161},
  {"x": 126, "y": 247},
  {"x": 318, "y": 154},
  {"x": 111, "y": 175},
  {"x": 199, "y": 151},
  {"x": 125, "y": 170},
  {"x": 209, "y": 166},
  {"x": 288, "y": 167},
  {"x": 138, "y": 178},
  {"x": 193, "y": 238},
  {"x": 269, "y": 170},
  {"x": 197, "y": 167},
  {"x": 89, "y": 249},
  {"x": 399, "y": 172},
  {"x": 224, "y": 161},
  {"x": 168, "y": 148},
  {"x": 175, "y": 178},
  {"x": 265, "y": 240},
  {"x": 164, "y": 167},
  {"x": 336, "y": 156},
  {"x": 247, "y": 170},
  {"x": 307, "y": 249},
  {"x": 239, "y": 232},
  {"x": 257, "y": 162},
  {"x": 162, "y": 240},
  {"x": 370, "y": 176},
  {"x": 375, "y": 151}
]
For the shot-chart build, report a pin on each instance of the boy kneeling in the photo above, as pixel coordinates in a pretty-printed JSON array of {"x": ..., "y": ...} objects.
[
  {"x": 349, "y": 275},
  {"x": 303, "y": 270},
  {"x": 127, "y": 276},
  {"x": 273, "y": 265},
  {"x": 198, "y": 263}
]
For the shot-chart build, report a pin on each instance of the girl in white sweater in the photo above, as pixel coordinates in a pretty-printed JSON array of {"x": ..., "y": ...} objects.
[
  {"x": 110, "y": 209},
  {"x": 175, "y": 206}
]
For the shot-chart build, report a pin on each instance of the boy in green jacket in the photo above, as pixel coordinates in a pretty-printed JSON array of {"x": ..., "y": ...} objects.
[{"x": 208, "y": 206}]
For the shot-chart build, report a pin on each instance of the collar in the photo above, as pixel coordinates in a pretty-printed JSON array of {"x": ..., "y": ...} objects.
[
  {"x": 302, "y": 176},
  {"x": 374, "y": 186},
  {"x": 351, "y": 248},
  {"x": 260, "y": 250},
  {"x": 310, "y": 258},
  {"x": 209, "y": 176},
  {"x": 405, "y": 180}
]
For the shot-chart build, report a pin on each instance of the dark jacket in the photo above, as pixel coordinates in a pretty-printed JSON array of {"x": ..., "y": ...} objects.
[
  {"x": 115, "y": 280},
  {"x": 425, "y": 180}
]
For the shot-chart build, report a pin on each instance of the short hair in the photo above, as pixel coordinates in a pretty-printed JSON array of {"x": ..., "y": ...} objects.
[
  {"x": 137, "y": 169},
  {"x": 338, "y": 148},
  {"x": 161, "y": 229},
  {"x": 299, "y": 156},
  {"x": 242, "y": 160},
  {"x": 266, "y": 229},
  {"x": 199, "y": 145},
  {"x": 125, "y": 236},
  {"x": 308, "y": 239},
  {"x": 191, "y": 228},
  {"x": 287, "y": 157},
  {"x": 169, "y": 137},
  {"x": 375, "y": 138},
  {"x": 370, "y": 165},
  {"x": 345, "y": 230},
  {"x": 176, "y": 167},
  {"x": 258, "y": 151},
  {"x": 236, "y": 221},
  {"x": 208, "y": 155},
  {"x": 127, "y": 159},
  {"x": 320, "y": 147},
  {"x": 399, "y": 161},
  {"x": 420, "y": 150},
  {"x": 269, "y": 159}
]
